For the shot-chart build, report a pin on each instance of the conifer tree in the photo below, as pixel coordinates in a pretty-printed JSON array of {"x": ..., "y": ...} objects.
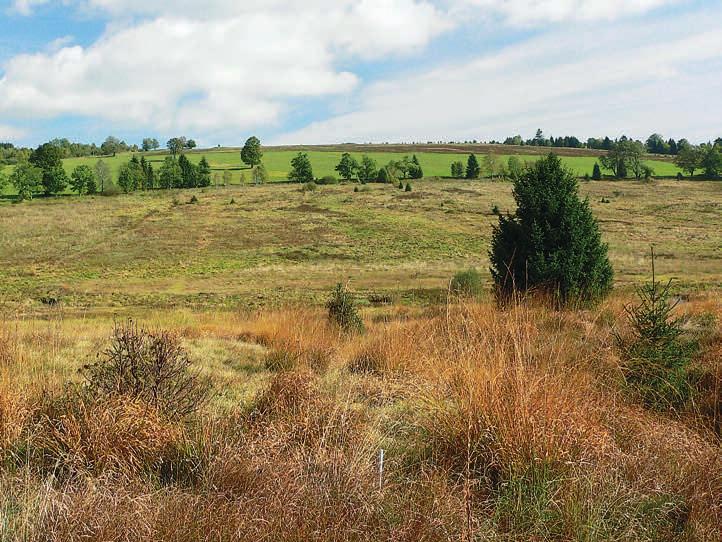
[
  {"x": 414, "y": 170},
  {"x": 472, "y": 167},
  {"x": 552, "y": 242},
  {"x": 204, "y": 173}
]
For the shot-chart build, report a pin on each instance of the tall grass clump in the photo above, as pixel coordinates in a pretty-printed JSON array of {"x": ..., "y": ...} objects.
[{"x": 657, "y": 357}]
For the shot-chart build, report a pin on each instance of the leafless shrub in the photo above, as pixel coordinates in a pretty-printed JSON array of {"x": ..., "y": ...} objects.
[{"x": 149, "y": 366}]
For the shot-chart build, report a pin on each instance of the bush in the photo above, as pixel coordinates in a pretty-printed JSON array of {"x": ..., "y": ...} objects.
[
  {"x": 467, "y": 283},
  {"x": 110, "y": 189},
  {"x": 408, "y": 187},
  {"x": 328, "y": 179},
  {"x": 342, "y": 310},
  {"x": 657, "y": 359},
  {"x": 309, "y": 187},
  {"x": 552, "y": 242},
  {"x": 148, "y": 366}
]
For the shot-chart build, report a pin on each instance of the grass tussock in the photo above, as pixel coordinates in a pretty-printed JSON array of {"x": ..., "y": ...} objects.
[{"x": 495, "y": 425}]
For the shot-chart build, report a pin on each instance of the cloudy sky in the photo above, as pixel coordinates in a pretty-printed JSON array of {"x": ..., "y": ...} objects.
[{"x": 323, "y": 71}]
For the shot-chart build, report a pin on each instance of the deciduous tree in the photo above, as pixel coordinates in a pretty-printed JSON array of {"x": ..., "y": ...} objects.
[
  {"x": 367, "y": 170},
  {"x": 103, "y": 175},
  {"x": 688, "y": 159},
  {"x": 82, "y": 180},
  {"x": 27, "y": 180},
  {"x": 301, "y": 169},
  {"x": 251, "y": 153},
  {"x": 347, "y": 167}
]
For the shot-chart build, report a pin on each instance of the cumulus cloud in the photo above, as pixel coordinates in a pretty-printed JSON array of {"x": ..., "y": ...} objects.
[
  {"x": 232, "y": 66},
  {"x": 573, "y": 84},
  {"x": 237, "y": 64},
  {"x": 534, "y": 12}
]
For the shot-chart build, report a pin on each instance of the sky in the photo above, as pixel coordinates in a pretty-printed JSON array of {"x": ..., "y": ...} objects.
[{"x": 333, "y": 71}]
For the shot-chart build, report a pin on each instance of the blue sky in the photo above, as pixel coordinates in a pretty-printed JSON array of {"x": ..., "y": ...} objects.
[{"x": 324, "y": 71}]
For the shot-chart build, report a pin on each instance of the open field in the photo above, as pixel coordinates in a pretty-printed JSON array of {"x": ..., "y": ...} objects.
[
  {"x": 500, "y": 425},
  {"x": 277, "y": 243},
  {"x": 435, "y": 164},
  {"x": 436, "y": 160}
]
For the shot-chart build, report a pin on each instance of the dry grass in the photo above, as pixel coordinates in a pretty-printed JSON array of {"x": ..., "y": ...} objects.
[{"x": 497, "y": 425}]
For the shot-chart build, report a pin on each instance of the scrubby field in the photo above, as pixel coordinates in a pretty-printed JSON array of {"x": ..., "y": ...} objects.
[
  {"x": 276, "y": 243},
  {"x": 495, "y": 425},
  {"x": 505, "y": 425}
]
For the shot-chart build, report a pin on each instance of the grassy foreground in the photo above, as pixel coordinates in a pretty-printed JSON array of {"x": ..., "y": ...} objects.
[
  {"x": 503, "y": 425},
  {"x": 495, "y": 425}
]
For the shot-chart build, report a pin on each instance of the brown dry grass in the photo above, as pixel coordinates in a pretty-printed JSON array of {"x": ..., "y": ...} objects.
[{"x": 497, "y": 425}]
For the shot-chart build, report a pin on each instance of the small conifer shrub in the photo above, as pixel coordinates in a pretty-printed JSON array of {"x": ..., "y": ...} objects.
[
  {"x": 657, "y": 357},
  {"x": 342, "y": 310}
]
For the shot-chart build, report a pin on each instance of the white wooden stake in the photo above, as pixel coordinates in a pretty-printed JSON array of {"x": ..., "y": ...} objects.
[{"x": 381, "y": 468}]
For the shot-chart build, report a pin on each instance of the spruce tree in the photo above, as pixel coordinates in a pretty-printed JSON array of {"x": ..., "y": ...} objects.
[
  {"x": 472, "y": 167},
  {"x": 188, "y": 171},
  {"x": 414, "y": 170},
  {"x": 552, "y": 242},
  {"x": 597, "y": 172},
  {"x": 204, "y": 173}
]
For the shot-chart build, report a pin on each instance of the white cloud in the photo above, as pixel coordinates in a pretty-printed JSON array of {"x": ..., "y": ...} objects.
[
  {"x": 535, "y": 12},
  {"x": 565, "y": 82},
  {"x": 25, "y": 7},
  {"x": 233, "y": 66},
  {"x": 236, "y": 65},
  {"x": 10, "y": 133}
]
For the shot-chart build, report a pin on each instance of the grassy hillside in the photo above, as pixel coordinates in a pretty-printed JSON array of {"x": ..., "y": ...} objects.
[
  {"x": 435, "y": 164},
  {"x": 436, "y": 160},
  {"x": 276, "y": 243},
  {"x": 244, "y": 413}
]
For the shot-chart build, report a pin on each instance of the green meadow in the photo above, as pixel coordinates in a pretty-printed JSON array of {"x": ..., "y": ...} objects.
[{"x": 435, "y": 164}]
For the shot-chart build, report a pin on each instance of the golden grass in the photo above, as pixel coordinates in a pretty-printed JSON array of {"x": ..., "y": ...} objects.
[{"x": 496, "y": 425}]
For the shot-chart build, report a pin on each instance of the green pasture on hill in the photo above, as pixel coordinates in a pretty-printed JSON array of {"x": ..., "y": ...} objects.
[{"x": 277, "y": 162}]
